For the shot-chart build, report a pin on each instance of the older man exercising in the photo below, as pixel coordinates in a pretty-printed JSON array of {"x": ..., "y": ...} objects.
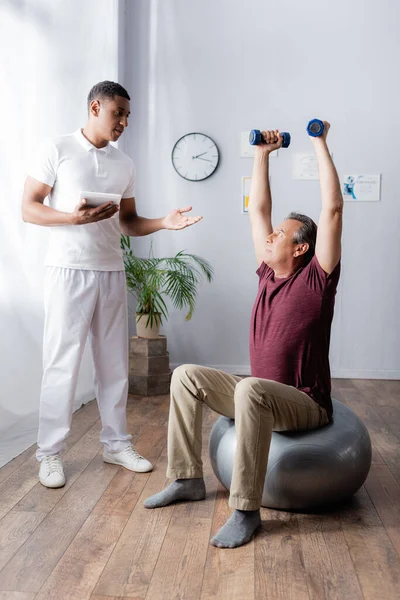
[{"x": 289, "y": 388}]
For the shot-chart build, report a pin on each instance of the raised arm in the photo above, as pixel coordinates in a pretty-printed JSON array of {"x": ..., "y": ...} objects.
[
  {"x": 260, "y": 202},
  {"x": 328, "y": 247}
]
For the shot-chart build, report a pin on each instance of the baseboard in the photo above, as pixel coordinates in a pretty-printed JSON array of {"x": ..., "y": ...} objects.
[
  {"x": 336, "y": 373},
  {"x": 359, "y": 374}
]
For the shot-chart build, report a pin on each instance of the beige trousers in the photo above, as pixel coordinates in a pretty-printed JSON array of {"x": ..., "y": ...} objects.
[{"x": 259, "y": 406}]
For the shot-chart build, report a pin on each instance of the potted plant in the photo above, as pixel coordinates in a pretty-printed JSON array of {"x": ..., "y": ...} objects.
[{"x": 151, "y": 279}]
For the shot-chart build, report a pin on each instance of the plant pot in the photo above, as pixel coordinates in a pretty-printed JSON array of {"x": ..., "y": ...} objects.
[{"x": 146, "y": 332}]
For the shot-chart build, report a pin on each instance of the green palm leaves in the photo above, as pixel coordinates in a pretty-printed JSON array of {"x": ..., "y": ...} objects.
[{"x": 149, "y": 279}]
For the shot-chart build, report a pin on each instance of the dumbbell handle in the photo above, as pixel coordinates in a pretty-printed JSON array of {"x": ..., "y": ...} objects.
[
  {"x": 315, "y": 128},
  {"x": 256, "y": 138}
]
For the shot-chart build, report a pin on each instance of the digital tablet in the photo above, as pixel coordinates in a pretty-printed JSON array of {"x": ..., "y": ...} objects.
[{"x": 99, "y": 198}]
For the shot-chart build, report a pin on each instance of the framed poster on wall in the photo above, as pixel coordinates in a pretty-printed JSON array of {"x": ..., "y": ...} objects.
[{"x": 362, "y": 188}]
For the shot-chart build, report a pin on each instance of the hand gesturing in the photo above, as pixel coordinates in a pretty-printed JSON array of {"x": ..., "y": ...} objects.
[{"x": 177, "y": 220}]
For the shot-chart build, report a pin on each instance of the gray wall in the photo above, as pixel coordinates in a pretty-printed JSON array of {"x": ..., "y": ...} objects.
[{"x": 224, "y": 67}]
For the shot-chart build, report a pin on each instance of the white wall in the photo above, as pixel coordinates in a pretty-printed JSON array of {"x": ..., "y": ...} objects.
[
  {"x": 52, "y": 53},
  {"x": 224, "y": 67}
]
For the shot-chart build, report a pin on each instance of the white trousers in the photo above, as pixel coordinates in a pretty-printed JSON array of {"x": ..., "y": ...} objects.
[{"x": 79, "y": 304}]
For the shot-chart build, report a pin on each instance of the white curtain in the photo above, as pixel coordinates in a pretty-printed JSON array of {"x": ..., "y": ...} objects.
[{"x": 52, "y": 53}]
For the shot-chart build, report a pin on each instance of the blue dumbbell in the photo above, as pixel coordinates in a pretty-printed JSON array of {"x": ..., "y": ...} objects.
[
  {"x": 256, "y": 138},
  {"x": 315, "y": 128}
]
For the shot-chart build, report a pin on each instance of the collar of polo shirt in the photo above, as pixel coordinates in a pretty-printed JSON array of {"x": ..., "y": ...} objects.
[{"x": 87, "y": 145}]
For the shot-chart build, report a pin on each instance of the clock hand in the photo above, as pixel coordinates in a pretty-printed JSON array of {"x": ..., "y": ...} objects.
[
  {"x": 204, "y": 159},
  {"x": 200, "y": 154}
]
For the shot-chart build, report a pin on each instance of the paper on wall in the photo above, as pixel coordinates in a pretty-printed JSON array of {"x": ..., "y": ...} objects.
[
  {"x": 362, "y": 188},
  {"x": 246, "y": 182},
  {"x": 305, "y": 166}
]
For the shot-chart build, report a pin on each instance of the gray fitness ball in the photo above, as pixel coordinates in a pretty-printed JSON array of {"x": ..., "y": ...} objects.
[{"x": 305, "y": 469}]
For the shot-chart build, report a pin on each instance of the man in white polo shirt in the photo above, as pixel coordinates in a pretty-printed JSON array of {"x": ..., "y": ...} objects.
[{"x": 85, "y": 290}]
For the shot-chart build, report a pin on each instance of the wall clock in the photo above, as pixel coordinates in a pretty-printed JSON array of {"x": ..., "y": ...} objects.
[{"x": 195, "y": 156}]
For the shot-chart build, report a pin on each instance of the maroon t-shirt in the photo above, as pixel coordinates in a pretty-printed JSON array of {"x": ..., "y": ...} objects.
[{"x": 291, "y": 327}]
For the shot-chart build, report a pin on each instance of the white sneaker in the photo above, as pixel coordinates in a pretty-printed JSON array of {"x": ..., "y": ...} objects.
[
  {"x": 130, "y": 459},
  {"x": 51, "y": 472}
]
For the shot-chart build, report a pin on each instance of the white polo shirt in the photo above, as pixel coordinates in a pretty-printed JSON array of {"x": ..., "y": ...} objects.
[{"x": 71, "y": 164}]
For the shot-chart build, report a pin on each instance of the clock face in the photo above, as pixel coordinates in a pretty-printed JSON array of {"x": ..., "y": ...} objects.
[{"x": 195, "y": 156}]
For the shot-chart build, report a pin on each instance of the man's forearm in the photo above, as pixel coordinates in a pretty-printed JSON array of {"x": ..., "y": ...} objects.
[
  {"x": 260, "y": 192},
  {"x": 139, "y": 226},
  {"x": 40, "y": 214},
  {"x": 331, "y": 194}
]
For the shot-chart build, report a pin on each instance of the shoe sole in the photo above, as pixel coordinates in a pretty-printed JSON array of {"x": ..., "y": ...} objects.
[
  {"x": 53, "y": 487},
  {"x": 114, "y": 462}
]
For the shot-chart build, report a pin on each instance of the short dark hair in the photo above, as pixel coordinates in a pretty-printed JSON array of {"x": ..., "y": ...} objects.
[
  {"x": 306, "y": 234},
  {"x": 106, "y": 89}
]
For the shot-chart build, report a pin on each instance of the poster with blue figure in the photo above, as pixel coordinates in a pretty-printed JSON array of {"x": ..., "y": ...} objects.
[
  {"x": 362, "y": 188},
  {"x": 349, "y": 187}
]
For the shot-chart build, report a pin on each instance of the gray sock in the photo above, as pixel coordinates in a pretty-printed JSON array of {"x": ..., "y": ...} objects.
[
  {"x": 181, "y": 489},
  {"x": 238, "y": 529}
]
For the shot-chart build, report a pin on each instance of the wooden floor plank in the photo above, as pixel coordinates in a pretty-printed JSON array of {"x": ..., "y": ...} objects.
[
  {"x": 380, "y": 392},
  {"x": 124, "y": 491},
  {"x": 78, "y": 571},
  {"x": 83, "y": 419},
  {"x": 180, "y": 565},
  {"x": 97, "y": 597},
  {"x": 16, "y": 596},
  {"x": 17, "y": 485},
  {"x": 131, "y": 565},
  {"x": 391, "y": 416},
  {"x": 94, "y": 539},
  {"x": 34, "y": 562},
  {"x": 43, "y": 500},
  {"x": 375, "y": 559},
  {"x": 343, "y": 384},
  {"x": 75, "y": 461},
  {"x": 25, "y": 477},
  {"x": 279, "y": 568},
  {"x": 384, "y": 491},
  {"x": 79, "y": 456},
  {"x": 15, "y": 529},
  {"x": 130, "y": 569},
  {"x": 16, "y": 462},
  {"x": 329, "y": 569},
  {"x": 228, "y": 573},
  {"x": 179, "y": 570},
  {"x": 141, "y": 410}
]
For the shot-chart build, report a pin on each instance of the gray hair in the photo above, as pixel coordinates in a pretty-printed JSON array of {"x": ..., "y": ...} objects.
[{"x": 306, "y": 234}]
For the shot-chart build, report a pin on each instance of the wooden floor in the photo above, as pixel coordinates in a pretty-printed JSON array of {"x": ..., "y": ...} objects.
[{"x": 93, "y": 538}]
